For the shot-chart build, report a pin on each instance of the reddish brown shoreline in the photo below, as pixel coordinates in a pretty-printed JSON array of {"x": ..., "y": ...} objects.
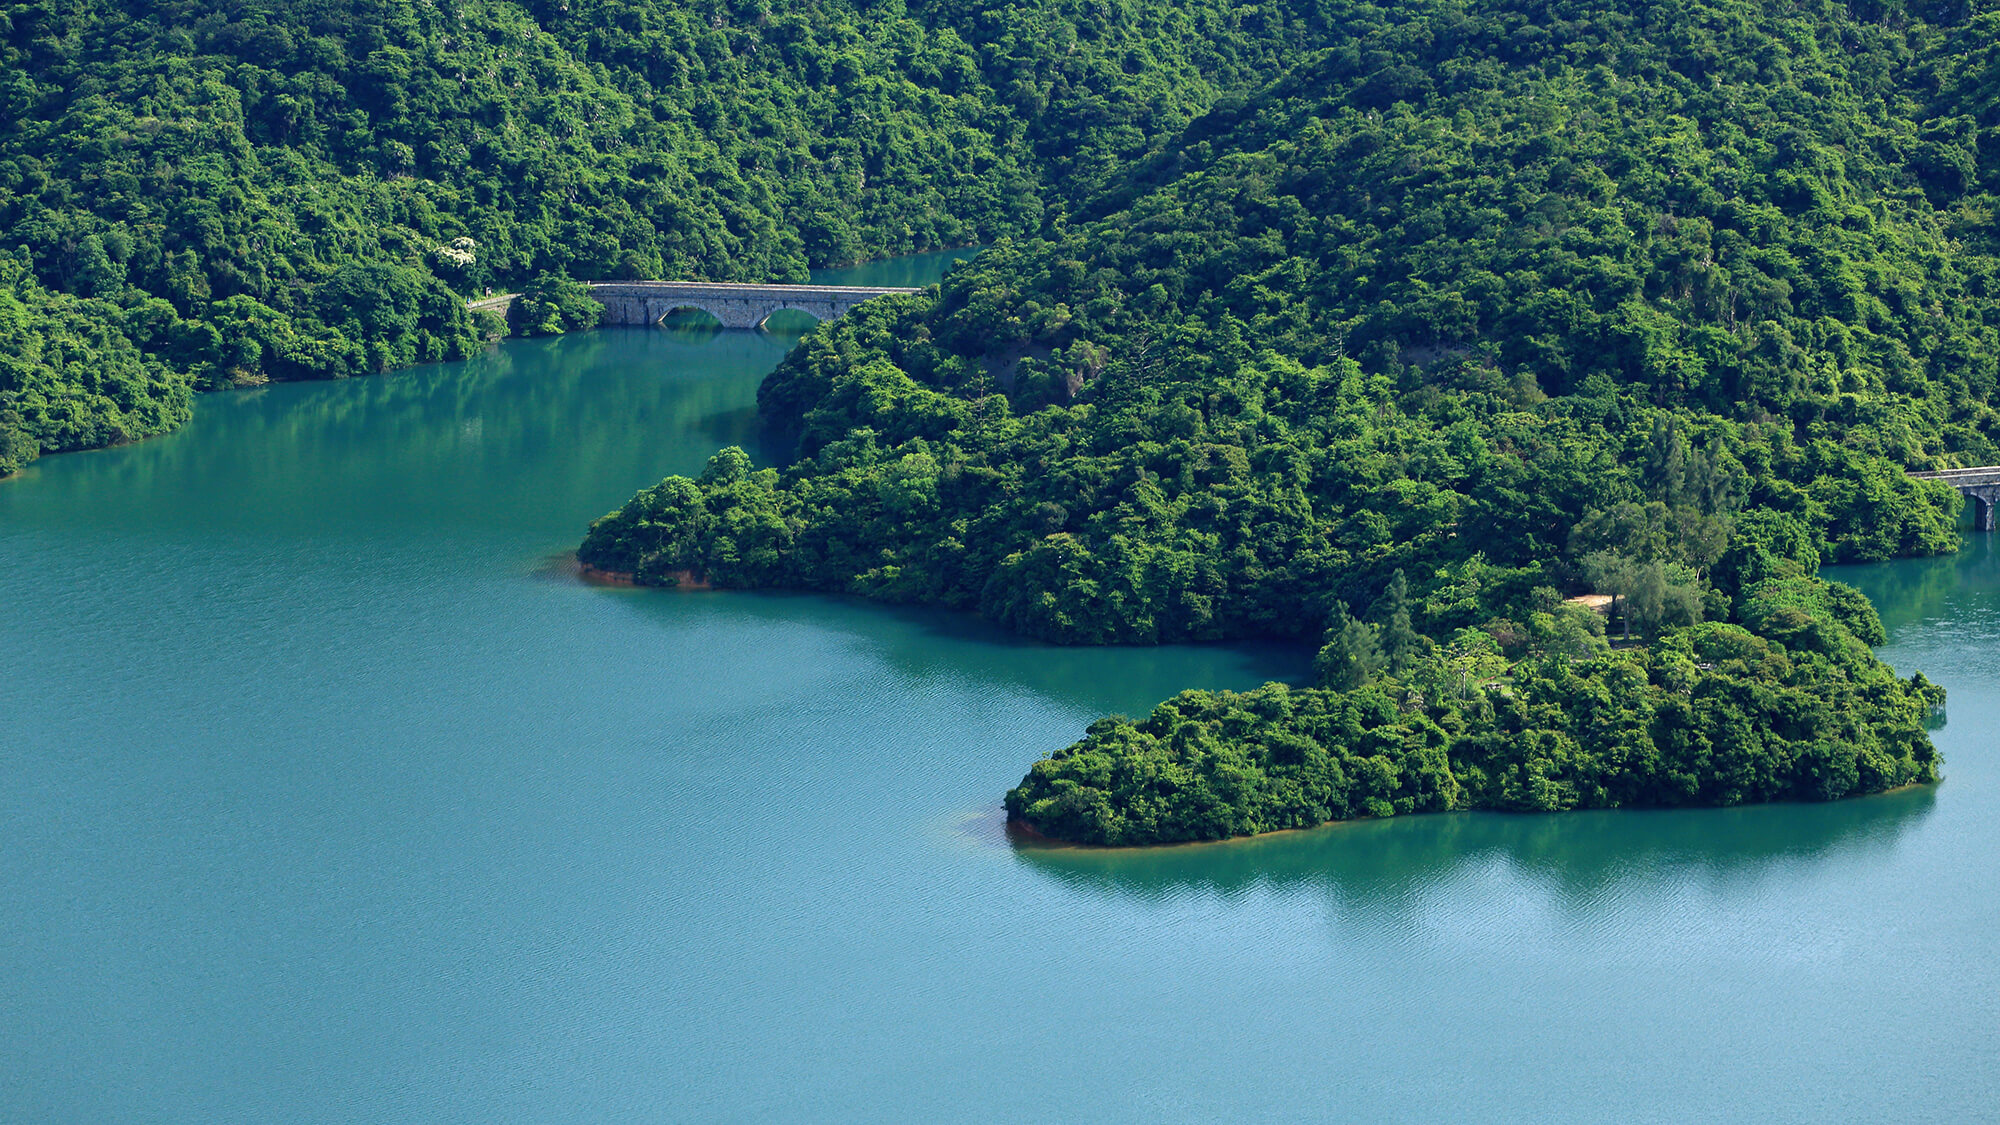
[
  {"x": 597, "y": 576},
  {"x": 688, "y": 580},
  {"x": 1024, "y": 832}
]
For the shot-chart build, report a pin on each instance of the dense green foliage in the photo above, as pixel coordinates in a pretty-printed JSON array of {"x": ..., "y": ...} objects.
[
  {"x": 1493, "y": 300},
  {"x": 239, "y": 176},
  {"x": 552, "y": 304},
  {"x": 1385, "y": 326},
  {"x": 1793, "y": 707},
  {"x": 71, "y": 375}
]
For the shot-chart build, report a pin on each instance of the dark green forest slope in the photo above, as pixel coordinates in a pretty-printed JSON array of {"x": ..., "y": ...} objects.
[
  {"x": 305, "y": 188},
  {"x": 1490, "y": 303}
]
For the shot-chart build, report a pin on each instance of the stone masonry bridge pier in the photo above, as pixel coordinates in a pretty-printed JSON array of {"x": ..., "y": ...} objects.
[
  {"x": 1982, "y": 485},
  {"x": 736, "y": 306}
]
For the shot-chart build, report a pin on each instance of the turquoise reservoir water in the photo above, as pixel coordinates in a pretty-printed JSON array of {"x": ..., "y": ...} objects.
[{"x": 326, "y": 796}]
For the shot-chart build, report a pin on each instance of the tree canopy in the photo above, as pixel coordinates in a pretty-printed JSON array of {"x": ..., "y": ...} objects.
[
  {"x": 1391, "y": 327},
  {"x": 1491, "y": 303},
  {"x": 238, "y": 176}
]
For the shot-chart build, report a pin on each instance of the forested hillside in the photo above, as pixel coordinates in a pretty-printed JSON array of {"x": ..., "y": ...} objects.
[
  {"x": 1489, "y": 303},
  {"x": 306, "y": 188}
]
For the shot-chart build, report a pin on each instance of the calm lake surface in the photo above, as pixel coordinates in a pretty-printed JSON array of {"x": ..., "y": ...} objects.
[{"x": 327, "y": 796}]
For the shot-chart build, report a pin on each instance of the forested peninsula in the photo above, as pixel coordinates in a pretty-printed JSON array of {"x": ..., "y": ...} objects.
[{"x": 1483, "y": 307}]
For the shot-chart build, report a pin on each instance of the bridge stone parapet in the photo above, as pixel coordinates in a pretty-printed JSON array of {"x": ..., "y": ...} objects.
[
  {"x": 736, "y": 306},
  {"x": 1981, "y": 484}
]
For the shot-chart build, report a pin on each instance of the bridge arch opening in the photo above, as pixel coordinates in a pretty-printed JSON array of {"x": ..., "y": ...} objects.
[
  {"x": 691, "y": 321},
  {"x": 788, "y": 322}
]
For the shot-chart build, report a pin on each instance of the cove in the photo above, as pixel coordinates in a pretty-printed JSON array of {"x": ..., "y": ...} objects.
[{"x": 325, "y": 796}]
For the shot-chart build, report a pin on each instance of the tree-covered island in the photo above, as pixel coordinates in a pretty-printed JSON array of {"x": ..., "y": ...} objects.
[{"x": 1487, "y": 305}]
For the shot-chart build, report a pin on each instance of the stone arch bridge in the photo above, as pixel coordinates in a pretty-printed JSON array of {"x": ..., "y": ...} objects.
[
  {"x": 736, "y": 306},
  {"x": 1981, "y": 485}
]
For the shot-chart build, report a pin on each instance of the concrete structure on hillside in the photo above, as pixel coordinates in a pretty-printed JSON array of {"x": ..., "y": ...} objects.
[
  {"x": 1982, "y": 485},
  {"x": 736, "y": 306}
]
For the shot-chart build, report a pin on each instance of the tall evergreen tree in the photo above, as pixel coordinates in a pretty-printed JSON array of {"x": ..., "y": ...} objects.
[{"x": 1350, "y": 656}]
